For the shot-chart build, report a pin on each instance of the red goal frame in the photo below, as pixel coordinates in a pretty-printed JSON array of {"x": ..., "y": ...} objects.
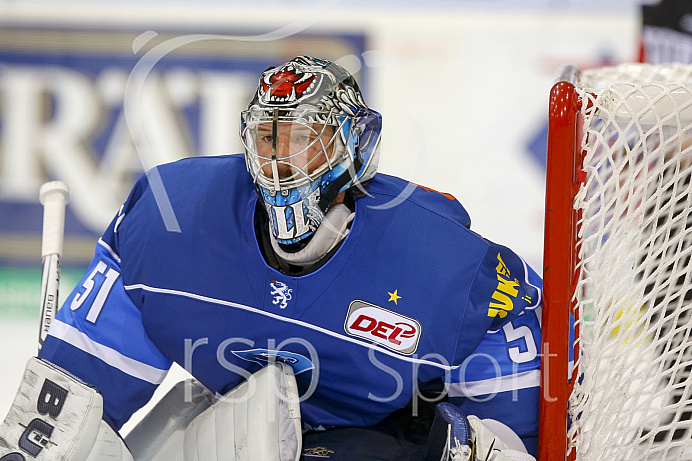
[{"x": 560, "y": 262}]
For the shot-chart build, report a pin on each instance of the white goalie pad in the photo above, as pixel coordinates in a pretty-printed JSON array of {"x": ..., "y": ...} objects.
[
  {"x": 258, "y": 419},
  {"x": 160, "y": 434},
  {"x": 57, "y": 417}
]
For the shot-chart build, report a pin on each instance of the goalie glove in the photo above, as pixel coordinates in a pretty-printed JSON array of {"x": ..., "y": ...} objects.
[
  {"x": 57, "y": 417},
  {"x": 456, "y": 437}
]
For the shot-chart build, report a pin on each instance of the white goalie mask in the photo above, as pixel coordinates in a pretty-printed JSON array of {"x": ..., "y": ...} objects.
[{"x": 308, "y": 136}]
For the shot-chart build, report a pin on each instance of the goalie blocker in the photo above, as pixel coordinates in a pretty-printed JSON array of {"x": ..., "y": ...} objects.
[{"x": 56, "y": 417}]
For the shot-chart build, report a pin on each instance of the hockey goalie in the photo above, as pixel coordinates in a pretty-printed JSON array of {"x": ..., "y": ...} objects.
[{"x": 325, "y": 310}]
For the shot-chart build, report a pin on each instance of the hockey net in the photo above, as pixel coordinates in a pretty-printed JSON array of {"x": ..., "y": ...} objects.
[{"x": 626, "y": 245}]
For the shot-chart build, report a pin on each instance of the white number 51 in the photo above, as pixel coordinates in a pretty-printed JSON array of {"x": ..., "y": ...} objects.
[{"x": 88, "y": 285}]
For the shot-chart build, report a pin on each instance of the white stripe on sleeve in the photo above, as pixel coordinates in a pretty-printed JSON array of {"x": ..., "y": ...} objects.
[
  {"x": 81, "y": 341},
  {"x": 523, "y": 380}
]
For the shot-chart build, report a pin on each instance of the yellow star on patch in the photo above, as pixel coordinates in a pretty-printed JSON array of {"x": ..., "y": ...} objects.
[{"x": 394, "y": 297}]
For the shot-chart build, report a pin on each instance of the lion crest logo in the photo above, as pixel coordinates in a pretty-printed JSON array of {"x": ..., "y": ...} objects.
[{"x": 281, "y": 293}]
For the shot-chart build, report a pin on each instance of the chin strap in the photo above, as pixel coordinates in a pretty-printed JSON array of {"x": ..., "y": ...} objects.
[{"x": 332, "y": 230}]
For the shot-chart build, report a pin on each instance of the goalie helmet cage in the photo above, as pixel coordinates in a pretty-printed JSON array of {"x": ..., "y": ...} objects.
[{"x": 618, "y": 240}]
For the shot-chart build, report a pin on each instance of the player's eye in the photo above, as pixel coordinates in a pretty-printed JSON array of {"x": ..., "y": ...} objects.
[
  {"x": 302, "y": 138},
  {"x": 266, "y": 138}
]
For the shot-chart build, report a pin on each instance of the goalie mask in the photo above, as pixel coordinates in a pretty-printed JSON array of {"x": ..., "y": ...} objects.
[{"x": 308, "y": 136}]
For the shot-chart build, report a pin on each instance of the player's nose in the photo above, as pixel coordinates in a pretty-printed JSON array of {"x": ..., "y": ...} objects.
[{"x": 283, "y": 146}]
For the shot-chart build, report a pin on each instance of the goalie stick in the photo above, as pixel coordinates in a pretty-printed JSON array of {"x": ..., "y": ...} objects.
[{"x": 54, "y": 195}]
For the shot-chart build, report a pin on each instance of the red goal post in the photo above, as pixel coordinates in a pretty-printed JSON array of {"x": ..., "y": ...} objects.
[
  {"x": 618, "y": 257},
  {"x": 559, "y": 269}
]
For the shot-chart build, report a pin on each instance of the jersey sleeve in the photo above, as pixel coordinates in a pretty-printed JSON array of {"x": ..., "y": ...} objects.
[
  {"x": 501, "y": 378},
  {"x": 98, "y": 336}
]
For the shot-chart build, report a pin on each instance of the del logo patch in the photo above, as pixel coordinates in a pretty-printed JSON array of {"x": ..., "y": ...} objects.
[{"x": 382, "y": 326}]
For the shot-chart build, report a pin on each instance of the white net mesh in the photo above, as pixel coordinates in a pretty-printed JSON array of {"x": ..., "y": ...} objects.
[{"x": 633, "y": 396}]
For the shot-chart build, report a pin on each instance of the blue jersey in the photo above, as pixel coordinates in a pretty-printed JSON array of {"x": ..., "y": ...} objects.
[{"x": 411, "y": 297}]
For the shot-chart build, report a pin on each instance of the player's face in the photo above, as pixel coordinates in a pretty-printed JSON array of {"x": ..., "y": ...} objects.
[{"x": 299, "y": 149}]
